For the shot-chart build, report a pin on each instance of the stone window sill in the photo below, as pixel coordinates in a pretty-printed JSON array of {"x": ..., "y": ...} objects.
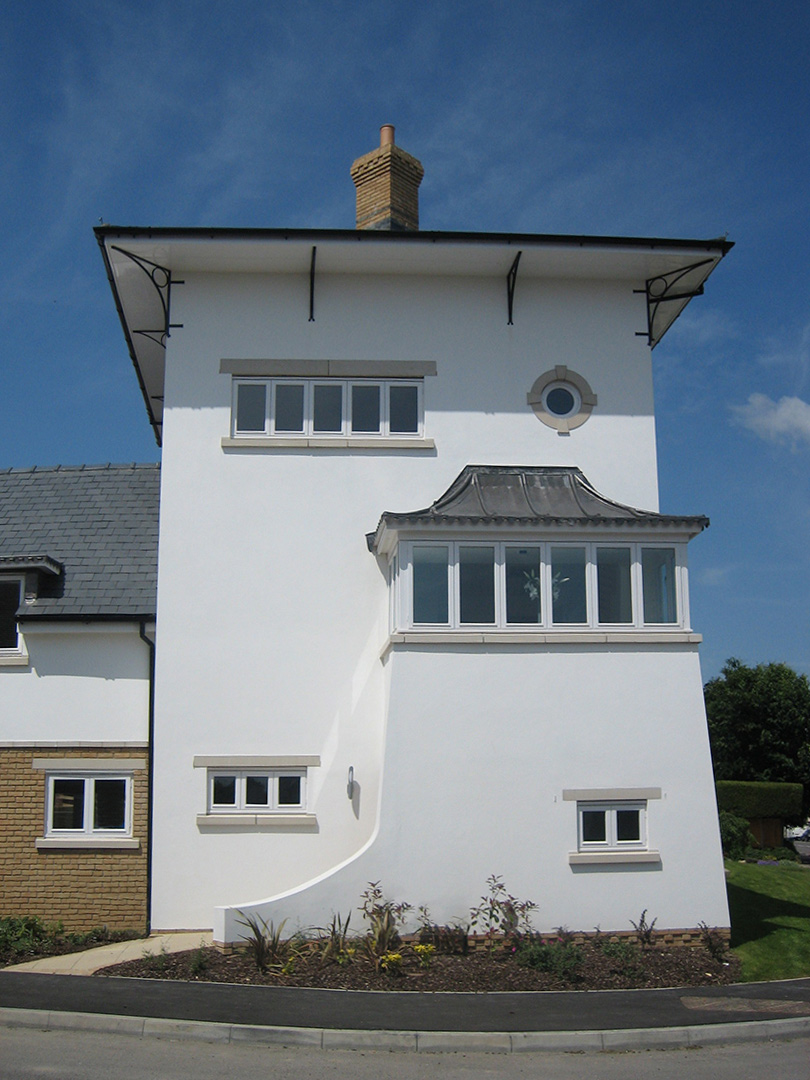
[
  {"x": 14, "y": 659},
  {"x": 602, "y": 858},
  {"x": 316, "y": 443},
  {"x": 252, "y": 821},
  {"x": 86, "y": 843}
]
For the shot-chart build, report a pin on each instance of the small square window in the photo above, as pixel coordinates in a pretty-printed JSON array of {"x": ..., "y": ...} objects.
[{"x": 612, "y": 826}]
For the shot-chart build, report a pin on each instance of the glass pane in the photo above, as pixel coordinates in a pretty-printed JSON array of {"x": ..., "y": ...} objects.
[
  {"x": 256, "y": 791},
  {"x": 568, "y": 597},
  {"x": 613, "y": 577},
  {"x": 476, "y": 571},
  {"x": 628, "y": 825},
  {"x": 9, "y": 602},
  {"x": 289, "y": 791},
  {"x": 560, "y": 401},
  {"x": 328, "y": 407},
  {"x": 593, "y": 827},
  {"x": 658, "y": 582},
  {"x": 523, "y": 585},
  {"x": 68, "y": 804},
  {"x": 109, "y": 804},
  {"x": 366, "y": 408},
  {"x": 430, "y": 583},
  {"x": 223, "y": 792},
  {"x": 403, "y": 410},
  {"x": 251, "y": 400},
  {"x": 289, "y": 415}
]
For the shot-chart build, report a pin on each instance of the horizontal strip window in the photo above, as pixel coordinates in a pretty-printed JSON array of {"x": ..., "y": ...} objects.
[
  {"x": 335, "y": 369},
  {"x": 256, "y": 791},
  {"x": 327, "y": 408},
  {"x": 562, "y": 586}
]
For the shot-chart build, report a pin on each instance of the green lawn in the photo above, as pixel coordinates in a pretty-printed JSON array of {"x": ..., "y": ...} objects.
[{"x": 770, "y": 919}]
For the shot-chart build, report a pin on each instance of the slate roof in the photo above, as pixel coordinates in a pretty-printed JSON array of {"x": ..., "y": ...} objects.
[
  {"x": 91, "y": 532},
  {"x": 530, "y": 495}
]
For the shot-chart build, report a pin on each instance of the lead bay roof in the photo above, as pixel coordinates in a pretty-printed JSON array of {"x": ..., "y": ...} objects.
[
  {"x": 90, "y": 532},
  {"x": 531, "y": 497}
]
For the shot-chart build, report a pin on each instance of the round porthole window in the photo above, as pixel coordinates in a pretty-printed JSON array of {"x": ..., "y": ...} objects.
[{"x": 561, "y": 399}]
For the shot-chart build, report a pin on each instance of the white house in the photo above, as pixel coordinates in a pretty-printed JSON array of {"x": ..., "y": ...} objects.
[{"x": 419, "y": 619}]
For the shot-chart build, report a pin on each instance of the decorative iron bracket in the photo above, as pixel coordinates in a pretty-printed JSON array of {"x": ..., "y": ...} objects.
[
  {"x": 312, "y": 286},
  {"x": 162, "y": 280},
  {"x": 511, "y": 278},
  {"x": 664, "y": 288}
]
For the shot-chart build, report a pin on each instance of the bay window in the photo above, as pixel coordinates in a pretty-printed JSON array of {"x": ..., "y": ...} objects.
[{"x": 500, "y": 584}]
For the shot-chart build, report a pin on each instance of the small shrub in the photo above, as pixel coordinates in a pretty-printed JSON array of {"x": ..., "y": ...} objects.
[
  {"x": 424, "y": 953},
  {"x": 200, "y": 960},
  {"x": 501, "y": 913},
  {"x": 644, "y": 930},
  {"x": 713, "y": 941},
  {"x": 735, "y": 834},
  {"x": 390, "y": 962},
  {"x": 761, "y": 854},
  {"x": 335, "y": 941},
  {"x": 451, "y": 939},
  {"x": 263, "y": 940},
  {"x": 559, "y": 958},
  {"x": 157, "y": 961},
  {"x": 620, "y": 950},
  {"x": 383, "y": 917}
]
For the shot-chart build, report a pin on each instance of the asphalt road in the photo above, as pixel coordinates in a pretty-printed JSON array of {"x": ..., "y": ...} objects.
[{"x": 28, "y": 1054}]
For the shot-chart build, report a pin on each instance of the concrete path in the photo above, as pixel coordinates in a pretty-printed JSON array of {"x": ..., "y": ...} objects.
[{"x": 93, "y": 960}]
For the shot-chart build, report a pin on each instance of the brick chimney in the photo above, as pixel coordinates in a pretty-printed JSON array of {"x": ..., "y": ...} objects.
[{"x": 387, "y": 182}]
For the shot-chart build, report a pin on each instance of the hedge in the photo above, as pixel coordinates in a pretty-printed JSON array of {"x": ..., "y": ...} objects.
[{"x": 760, "y": 799}]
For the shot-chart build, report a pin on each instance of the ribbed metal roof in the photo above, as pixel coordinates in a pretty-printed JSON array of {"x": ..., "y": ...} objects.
[
  {"x": 91, "y": 533},
  {"x": 530, "y": 496}
]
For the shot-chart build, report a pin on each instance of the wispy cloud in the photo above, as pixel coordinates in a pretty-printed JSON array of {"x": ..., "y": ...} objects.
[
  {"x": 716, "y": 575},
  {"x": 784, "y": 421}
]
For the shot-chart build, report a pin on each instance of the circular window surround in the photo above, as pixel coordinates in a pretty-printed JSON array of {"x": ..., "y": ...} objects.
[{"x": 582, "y": 399}]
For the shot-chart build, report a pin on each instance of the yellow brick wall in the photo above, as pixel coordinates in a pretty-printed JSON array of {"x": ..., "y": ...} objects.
[{"x": 82, "y": 889}]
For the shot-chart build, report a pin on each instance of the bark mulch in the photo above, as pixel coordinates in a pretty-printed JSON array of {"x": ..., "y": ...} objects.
[{"x": 565, "y": 966}]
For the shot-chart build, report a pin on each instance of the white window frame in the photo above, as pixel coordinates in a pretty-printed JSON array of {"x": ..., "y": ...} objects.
[
  {"x": 401, "y": 571},
  {"x": 308, "y": 429},
  {"x": 242, "y": 806},
  {"x": 611, "y": 843},
  {"x": 88, "y": 832}
]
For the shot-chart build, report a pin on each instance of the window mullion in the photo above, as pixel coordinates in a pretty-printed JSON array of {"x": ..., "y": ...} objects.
[{"x": 454, "y": 585}]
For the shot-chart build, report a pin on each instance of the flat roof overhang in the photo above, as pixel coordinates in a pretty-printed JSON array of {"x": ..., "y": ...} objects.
[{"x": 143, "y": 264}]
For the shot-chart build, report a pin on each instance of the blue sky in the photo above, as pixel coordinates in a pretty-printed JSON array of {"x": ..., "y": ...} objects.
[{"x": 577, "y": 116}]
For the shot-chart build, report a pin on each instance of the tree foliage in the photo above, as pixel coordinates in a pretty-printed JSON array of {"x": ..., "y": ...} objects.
[{"x": 759, "y": 723}]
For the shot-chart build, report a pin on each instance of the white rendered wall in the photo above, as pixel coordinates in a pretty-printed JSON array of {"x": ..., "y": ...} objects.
[
  {"x": 481, "y": 744},
  {"x": 85, "y": 683},
  {"x": 272, "y": 612}
]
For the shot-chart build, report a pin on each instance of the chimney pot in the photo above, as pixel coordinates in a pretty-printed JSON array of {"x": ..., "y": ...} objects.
[{"x": 387, "y": 135}]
